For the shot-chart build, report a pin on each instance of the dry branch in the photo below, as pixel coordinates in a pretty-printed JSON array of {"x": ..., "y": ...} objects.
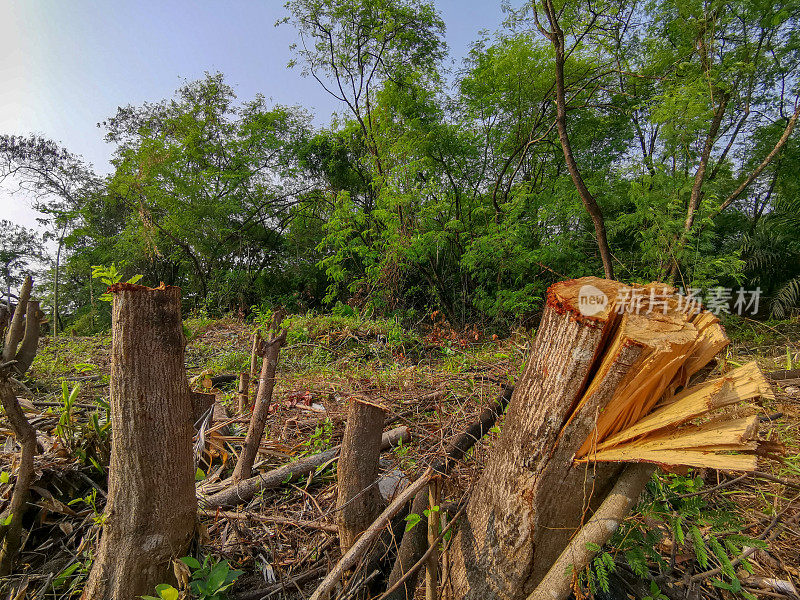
[
  {"x": 255, "y": 431},
  {"x": 26, "y": 436},
  {"x": 245, "y": 490},
  {"x": 556, "y": 584}
]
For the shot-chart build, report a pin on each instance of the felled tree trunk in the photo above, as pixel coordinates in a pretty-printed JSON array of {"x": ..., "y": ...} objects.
[
  {"x": 359, "y": 501},
  {"x": 592, "y": 373},
  {"x": 151, "y": 509}
]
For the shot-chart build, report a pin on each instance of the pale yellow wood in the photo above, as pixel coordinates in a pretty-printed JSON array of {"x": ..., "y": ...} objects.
[{"x": 744, "y": 383}]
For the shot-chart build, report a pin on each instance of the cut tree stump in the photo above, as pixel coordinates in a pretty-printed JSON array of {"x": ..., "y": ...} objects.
[
  {"x": 359, "y": 501},
  {"x": 604, "y": 356},
  {"x": 151, "y": 510}
]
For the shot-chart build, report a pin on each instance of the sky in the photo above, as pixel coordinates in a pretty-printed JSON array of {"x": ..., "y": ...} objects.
[{"x": 66, "y": 66}]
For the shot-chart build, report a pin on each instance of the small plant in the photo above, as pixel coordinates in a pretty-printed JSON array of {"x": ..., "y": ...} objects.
[
  {"x": 90, "y": 500},
  {"x": 691, "y": 521},
  {"x": 320, "y": 440},
  {"x": 207, "y": 581},
  {"x": 65, "y": 429},
  {"x": 110, "y": 276}
]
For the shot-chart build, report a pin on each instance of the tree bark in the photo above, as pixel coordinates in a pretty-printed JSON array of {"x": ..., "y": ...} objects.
[
  {"x": 255, "y": 431},
  {"x": 152, "y": 507},
  {"x": 30, "y": 341},
  {"x": 359, "y": 502}
]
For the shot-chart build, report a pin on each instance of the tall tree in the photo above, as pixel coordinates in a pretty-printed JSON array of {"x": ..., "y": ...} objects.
[
  {"x": 19, "y": 246},
  {"x": 58, "y": 182}
]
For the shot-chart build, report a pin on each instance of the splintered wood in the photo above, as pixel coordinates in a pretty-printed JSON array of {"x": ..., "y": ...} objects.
[{"x": 660, "y": 342}]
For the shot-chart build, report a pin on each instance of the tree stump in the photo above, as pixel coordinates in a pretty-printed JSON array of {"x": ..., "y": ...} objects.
[
  {"x": 152, "y": 507},
  {"x": 594, "y": 370},
  {"x": 359, "y": 502}
]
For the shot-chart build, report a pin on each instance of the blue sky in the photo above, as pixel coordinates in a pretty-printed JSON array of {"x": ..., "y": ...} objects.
[{"x": 67, "y": 65}]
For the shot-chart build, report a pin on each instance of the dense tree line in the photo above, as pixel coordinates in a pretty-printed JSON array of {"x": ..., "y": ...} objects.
[{"x": 649, "y": 140}]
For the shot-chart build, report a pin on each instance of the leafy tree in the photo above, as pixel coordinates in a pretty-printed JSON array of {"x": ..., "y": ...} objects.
[
  {"x": 19, "y": 246},
  {"x": 59, "y": 183}
]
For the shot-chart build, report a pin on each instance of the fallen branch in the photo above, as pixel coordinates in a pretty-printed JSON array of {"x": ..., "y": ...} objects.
[
  {"x": 370, "y": 535},
  {"x": 245, "y": 490},
  {"x": 557, "y": 583}
]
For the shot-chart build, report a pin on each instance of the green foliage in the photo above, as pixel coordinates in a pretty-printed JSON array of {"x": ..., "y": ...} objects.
[
  {"x": 320, "y": 440},
  {"x": 672, "y": 504},
  {"x": 208, "y": 581},
  {"x": 449, "y": 193},
  {"x": 109, "y": 276}
]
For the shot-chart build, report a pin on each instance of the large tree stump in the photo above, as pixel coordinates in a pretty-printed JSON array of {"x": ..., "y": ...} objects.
[
  {"x": 359, "y": 502},
  {"x": 151, "y": 509},
  {"x": 589, "y": 364}
]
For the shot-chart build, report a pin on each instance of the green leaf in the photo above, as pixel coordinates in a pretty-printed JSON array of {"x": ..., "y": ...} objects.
[
  {"x": 412, "y": 520},
  {"x": 191, "y": 561},
  {"x": 4, "y": 477},
  {"x": 217, "y": 576},
  {"x": 62, "y": 577},
  {"x": 167, "y": 592}
]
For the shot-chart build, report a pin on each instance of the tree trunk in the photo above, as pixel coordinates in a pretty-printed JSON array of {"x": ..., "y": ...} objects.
[
  {"x": 359, "y": 502},
  {"x": 255, "y": 431},
  {"x": 30, "y": 341},
  {"x": 556, "y": 36},
  {"x": 152, "y": 507}
]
